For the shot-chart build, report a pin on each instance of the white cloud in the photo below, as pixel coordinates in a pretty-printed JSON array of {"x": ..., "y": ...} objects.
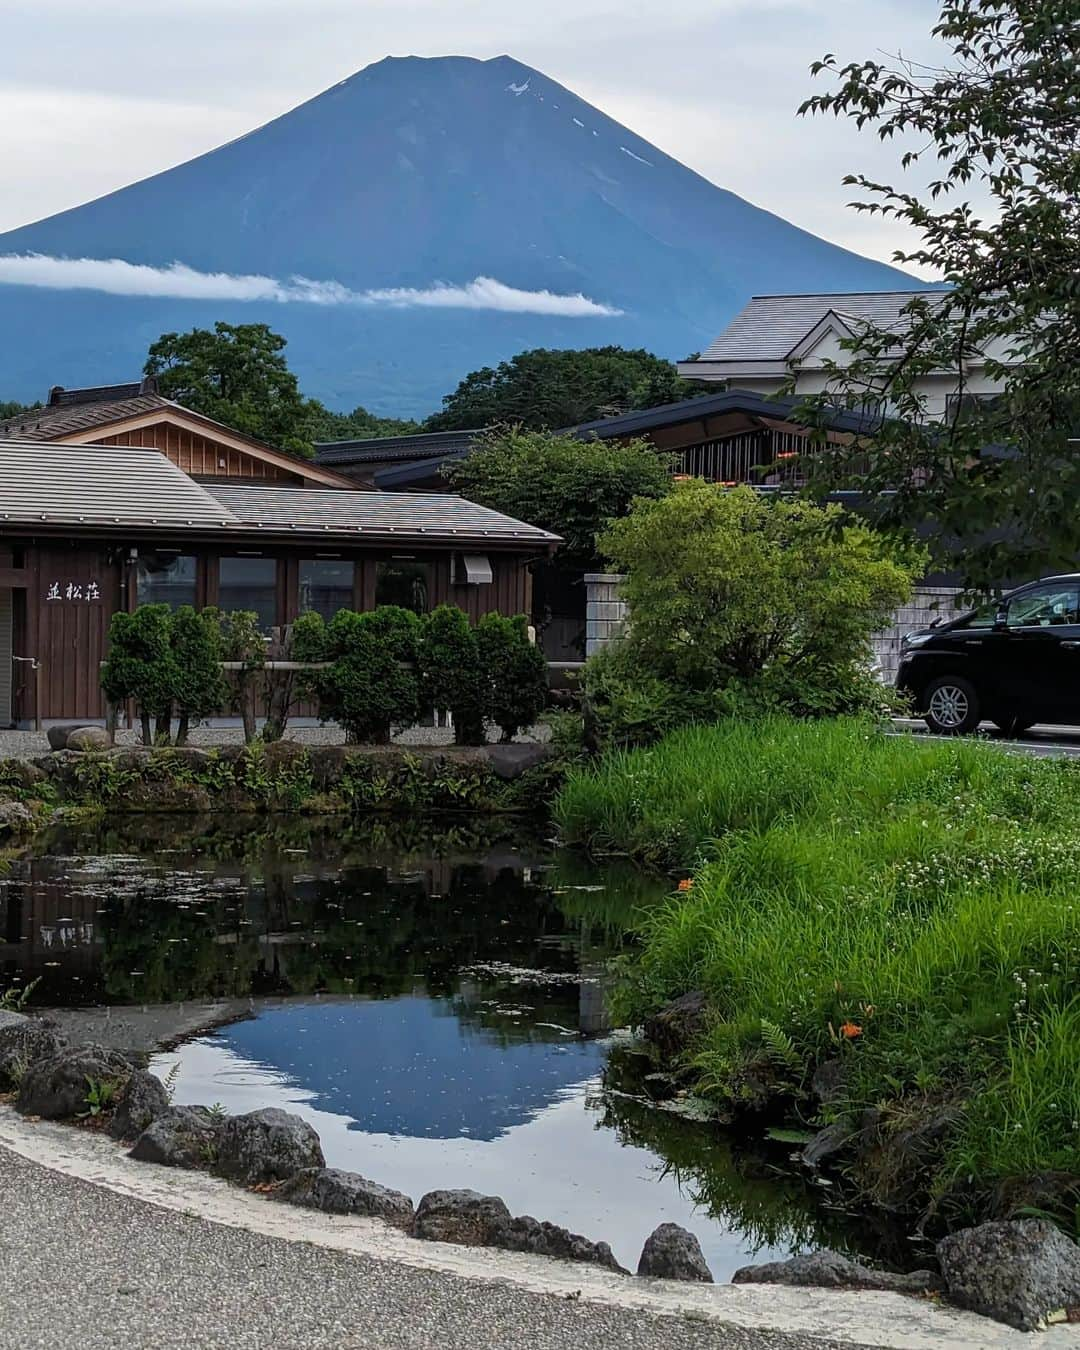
[{"x": 180, "y": 282}]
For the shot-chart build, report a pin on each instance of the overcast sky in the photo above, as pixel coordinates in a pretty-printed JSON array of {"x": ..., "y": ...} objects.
[{"x": 97, "y": 95}]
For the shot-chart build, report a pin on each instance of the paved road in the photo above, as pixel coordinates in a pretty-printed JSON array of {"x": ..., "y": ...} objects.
[
  {"x": 1040, "y": 741},
  {"x": 83, "y": 1268}
]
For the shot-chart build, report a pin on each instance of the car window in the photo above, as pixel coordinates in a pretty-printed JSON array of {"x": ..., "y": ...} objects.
[
  {"x": 983, "y": 617},
  {"x": 1045, "y": 607}
]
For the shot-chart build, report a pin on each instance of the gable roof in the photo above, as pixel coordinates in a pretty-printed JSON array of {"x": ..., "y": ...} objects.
[
  {"x": 769, "y": 326},
  {"x": 83, "y": 421},
  {"x": 714, "y": 405},
  {"x": 439, "y": 517},
  {"x": 100, "y": 485},
  {"x": 423, "y": 445}
]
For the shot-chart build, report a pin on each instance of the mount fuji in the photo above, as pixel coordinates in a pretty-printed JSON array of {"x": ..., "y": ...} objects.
[{"x": 424, "y": 218}]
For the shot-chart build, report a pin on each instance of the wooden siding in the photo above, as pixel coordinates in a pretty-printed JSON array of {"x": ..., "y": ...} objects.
[
  {"x": 200, "y": 456},
  {"x": 6, "y": 616},
  {"x": 71, "y": 628}
]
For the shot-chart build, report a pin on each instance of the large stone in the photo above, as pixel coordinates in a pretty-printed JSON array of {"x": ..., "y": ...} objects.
[
  {"x": 465, "y": 1217},
  {"x": 336, "y": 1192},
  {"x": 527, "y": 1234},
  {"x": 15, "y": 818},
  {"x": 58, "y": 735},
  {"x": 826, "y": 1144},
  {"x": 832, "y": 1270},
  {"x": 672, "y": 1253},
  {"x": 56, "y": 1087},
  {"x": 183, "y": 1136},
  {"x": 675, "y": 1027},
  {"x": 24, "y": 1040},
  {"x": 140, "y": 1101},
  {"x": 1016, "y": 1271},
  {"x": 267, "y": 1145},
  {"x": 509, "y": 762},
  {"x": 88, "y": 738}
]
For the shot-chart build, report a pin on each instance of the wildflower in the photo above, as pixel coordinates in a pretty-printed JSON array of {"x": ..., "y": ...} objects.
[
  {"x": 685, "y": 884},
  {"x": 849, "y": 1030}
]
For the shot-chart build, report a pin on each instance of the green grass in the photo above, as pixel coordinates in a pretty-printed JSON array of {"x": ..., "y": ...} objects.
[{"x": 927, "y": 894}]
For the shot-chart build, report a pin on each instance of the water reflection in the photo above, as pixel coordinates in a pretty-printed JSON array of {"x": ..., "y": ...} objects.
[{"x": 430, "y": 997}]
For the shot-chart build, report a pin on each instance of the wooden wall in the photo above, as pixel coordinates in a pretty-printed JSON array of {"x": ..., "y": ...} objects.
[{"x": 200, "y": 456}]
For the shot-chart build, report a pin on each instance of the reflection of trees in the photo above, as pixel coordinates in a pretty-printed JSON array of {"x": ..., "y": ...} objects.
[{"x": 747, "y": 1185}]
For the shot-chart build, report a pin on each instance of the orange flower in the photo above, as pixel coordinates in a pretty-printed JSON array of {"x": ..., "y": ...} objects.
[
  {"x": 850, "y": 1030},
  {"x": 685, "y": 884}
]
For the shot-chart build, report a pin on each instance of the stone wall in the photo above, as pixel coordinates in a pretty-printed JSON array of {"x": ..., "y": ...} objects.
[{"x": 606, "y": 617}]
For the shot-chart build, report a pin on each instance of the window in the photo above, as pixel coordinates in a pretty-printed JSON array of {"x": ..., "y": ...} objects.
[
  {"x": 402, "y": 582},
  {"x": 326, "y": 585},
  {"x": 166, "y": 579},
  {"x": 1046, "y": 607},
  {"x": 249, "y": 584},
  {"x": 968, "y": 408},
  {"x": 984, "y": 617}
]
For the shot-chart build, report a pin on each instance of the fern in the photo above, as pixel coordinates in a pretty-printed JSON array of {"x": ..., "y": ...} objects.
[{"x": 779, "y": 1046}]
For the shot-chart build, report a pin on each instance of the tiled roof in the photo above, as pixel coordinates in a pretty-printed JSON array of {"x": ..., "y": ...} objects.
[
  {"x": 429, "y": 444},
  {"x": 52, "y": 424},
  {"x": 100, "y": 485},
  {"x": 770, "y": 325},
  {"x": 436, "y": 516},
  {"x": 713, "y": 405}
]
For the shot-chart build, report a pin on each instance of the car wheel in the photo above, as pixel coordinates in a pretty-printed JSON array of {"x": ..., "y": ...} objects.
[
  {"x": 952, "y": 706},
  {"x": 1012, "y": 726}
]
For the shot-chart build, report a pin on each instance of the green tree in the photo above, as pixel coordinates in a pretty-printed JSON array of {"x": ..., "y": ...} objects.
[
  {"x": 199, "y": 688},
  {"x": 559, "y": 483},
  {"x": 515, "y": 670},
  {"x": 372, "y": 686},
  {"x": 11, "y": 409},
  {"x": 358, "y": 425},
  {"x": 1002, "y": 116},
  {"x": 141, "y": 666},
  {"x": 238, "y": 376},
  {"x": 739, "y": 599},
  {"x": 548, "y": 390},
  {"x": 451, "y": 675}
]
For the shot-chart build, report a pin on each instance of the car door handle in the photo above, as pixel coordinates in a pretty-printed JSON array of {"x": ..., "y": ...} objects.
[{"x": 1072, "y": 646}]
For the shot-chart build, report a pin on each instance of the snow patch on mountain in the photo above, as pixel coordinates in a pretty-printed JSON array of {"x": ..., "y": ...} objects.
[{"x": 637, "y": 157}]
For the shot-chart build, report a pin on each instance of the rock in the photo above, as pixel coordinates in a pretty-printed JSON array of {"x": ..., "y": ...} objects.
[
  {"x": 509, "y": 762},
  {"x": 58, "y": 735},
  {"x": 672, "y": 1253},
  {"x": 1016, "y": 1271},
  {"x": 23, "y": 1040},
  {"x": 15, "y": 817},
  {"x": 465, "y": 1217},
  {"x": 140, "y": 1101},
  {"x": 335, "y": 1192},
  {"x": 673, "y": 1029},
  {"x": 826, "y": 1144},
  {"x": 660, "y": 1087},
  {"x": 88, "y": 738},
  {"x": 831, "y": 1270},
  {"x": 527, "y": 1234},
  {"x": 55, "y": 1087},
  {"x": 183, "y": 1136},
  {"x": 827, "y": 1081},
  {"x": 267, "y": 1145}
]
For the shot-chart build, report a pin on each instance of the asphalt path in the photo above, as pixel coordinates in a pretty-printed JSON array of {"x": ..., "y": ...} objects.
[{"x": 1040, "y": 740}]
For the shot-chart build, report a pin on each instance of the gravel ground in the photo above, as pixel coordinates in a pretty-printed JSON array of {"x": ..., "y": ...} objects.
[
  {"x": 30, "y": 744},
  {"x": 82, "y": 1268}
]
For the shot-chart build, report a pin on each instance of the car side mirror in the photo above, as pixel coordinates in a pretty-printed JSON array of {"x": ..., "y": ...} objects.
[{"x": 1001, "y": 618}]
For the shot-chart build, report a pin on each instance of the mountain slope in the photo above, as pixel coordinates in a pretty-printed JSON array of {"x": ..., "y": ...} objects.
[{"x": 414, "y": 172}]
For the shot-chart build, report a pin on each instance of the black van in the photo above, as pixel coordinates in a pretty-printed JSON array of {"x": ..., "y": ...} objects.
[{"x": 1015, "y": 662}]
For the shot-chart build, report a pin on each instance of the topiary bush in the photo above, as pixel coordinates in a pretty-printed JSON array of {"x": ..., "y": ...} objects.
[
  {"x": 515, "y": 672},
  {"x": 142, "y": 666},
  {"x": 199, "y": 688},
  {"x": 372, "y": 686},
  {"x": 451, "y": 674}
]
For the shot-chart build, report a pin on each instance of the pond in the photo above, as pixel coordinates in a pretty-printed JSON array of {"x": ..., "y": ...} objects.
[{"x": 431, "y": 997}]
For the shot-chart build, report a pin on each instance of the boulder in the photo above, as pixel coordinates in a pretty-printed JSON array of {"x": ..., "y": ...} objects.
[
  {"x": 58, "y": 735},
  {"x": 509, "y": 762},
  {"x": 832, "y": 1270},
  {"x": 335, "y": 1192},
  {"x": 15, "y": 817},
  {"x": 88, "y": 738},
  {"x": 675, "y": 1027},
  {"x": 826, "y": 1144},
  {"x": 140, "y": 1101},
  {"x": 182, "y": 1136},
  {"x": 267, "y": 1145},
  {"x": 465, "y": 1217},
  {"x": 1016, "y": 1271},
  {"x": 55, "y": 1087},
  {"x": 23, "y": 1040},
  {"x": 527, "y": 1234},
  {"x": 672, "y": 1253}
]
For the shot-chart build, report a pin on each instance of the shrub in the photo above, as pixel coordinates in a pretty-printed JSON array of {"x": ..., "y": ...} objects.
[
  {"x": 451, "y": 673},
  {"x": 141, "y": 665},
  {"x": 200, "y": 687},
  {"x": 771, "y": 601},
  {"x": 515, "y": 670},
  {"x": 372, "y": 685}
]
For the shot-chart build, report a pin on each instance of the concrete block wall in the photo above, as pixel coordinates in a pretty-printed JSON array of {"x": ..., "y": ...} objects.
[{"x": 605, "y": 611}]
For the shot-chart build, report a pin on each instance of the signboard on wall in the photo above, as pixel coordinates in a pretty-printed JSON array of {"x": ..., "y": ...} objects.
[{"x": 73, "y": 592}]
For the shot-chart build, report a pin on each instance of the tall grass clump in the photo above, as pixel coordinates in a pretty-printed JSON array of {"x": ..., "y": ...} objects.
[{"x": 908, "y": 912}]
